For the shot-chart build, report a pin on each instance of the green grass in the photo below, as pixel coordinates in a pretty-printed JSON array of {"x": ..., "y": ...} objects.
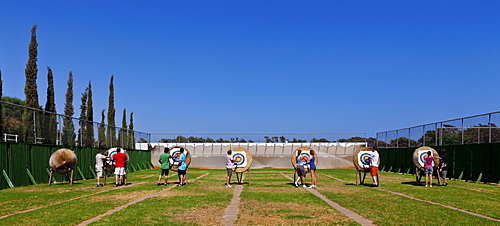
[{"x": 269, "y": 199}]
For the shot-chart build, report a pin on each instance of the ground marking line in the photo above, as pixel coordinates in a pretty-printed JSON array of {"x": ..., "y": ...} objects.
[
  {"x": 427, "y": 201},
  {"x": 231, "y": 212},
  {"x": 354, "y": 216},
  {"x": 55, "y": 203},
  {"x": 109, "y": 212}
]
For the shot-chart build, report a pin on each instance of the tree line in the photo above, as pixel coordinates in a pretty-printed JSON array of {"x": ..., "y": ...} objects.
[{"x": 37, "y": 124}]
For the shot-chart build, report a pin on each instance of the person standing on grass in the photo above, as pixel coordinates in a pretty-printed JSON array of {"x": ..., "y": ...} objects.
[
  {"x": 120, "y": 159},
  {"x": 99, "y": 165},
  {"x": 428, "y": 169},
  {"x": 443, "y": 167},
  {"x": 165, "y": 165},
  {"x": 312, "y": 169},
  {"x": 301, "y": 172},
  {"x": 181, "y": 170},
  {"x": 229, "y": 167},
  {"x": 374, "y": 166}
]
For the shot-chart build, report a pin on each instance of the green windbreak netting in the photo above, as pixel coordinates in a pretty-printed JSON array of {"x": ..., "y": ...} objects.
[
  {"x": 19, "y": 161},
  {"x": 40, "y": 155},
  {"x": 3, "y": 164},
  {"x": 481, "y": 162}
]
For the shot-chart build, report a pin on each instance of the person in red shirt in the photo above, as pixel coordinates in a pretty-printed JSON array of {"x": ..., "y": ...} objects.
[{"x": 120, "y": 159}]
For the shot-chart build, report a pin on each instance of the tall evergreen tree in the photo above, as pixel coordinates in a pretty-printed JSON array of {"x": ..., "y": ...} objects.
[
  {"x": 122, "y": 134},
  {"x": 30, "y": 90},
  {"x": 83, "y": 119},
  {"x": 49, "y": 125},
  {"x": 131, "y": 131},
  {"x": 1, "y": 105},
  {"x": 102, "y": 132},
  {"x": 111, "y": 137},
  {"x": 68, "y": 135},
  {"x": 90, "y": 116}
]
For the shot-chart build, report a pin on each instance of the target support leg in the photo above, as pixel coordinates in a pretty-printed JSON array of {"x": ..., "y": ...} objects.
[
  {"x": 71, "y": 177},
  {"x": 50, "y": 177},
  {"x": 357, "y": 172},
  {"x": 364, "y": 177}
]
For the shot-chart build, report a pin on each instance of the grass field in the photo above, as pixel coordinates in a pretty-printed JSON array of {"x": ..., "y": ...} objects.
[{"x": 269, "y": 199}]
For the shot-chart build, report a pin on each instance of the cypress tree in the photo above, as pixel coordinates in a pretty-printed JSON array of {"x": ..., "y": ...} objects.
[
  {"x": 49, "y": 124},
  {"x": 122, "y": 138},
  {"x": 68, "y": 135},
  {"x": 131, "y": 131},
  {"x": 30, "y": 89},
  {"x": 102, "y": 132},
  {"x": 83, "y": 117},
  {"x": 90, "y": 117},
  {"x": 111, "y": 115}
]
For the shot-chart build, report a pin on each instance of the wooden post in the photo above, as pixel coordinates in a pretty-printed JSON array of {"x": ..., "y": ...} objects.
[
  {"x": 50, "y": 176},
  {"x": 71, "y": 177}
]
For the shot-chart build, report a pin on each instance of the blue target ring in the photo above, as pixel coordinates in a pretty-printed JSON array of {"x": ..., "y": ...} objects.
[
  {"x": 423, "y": 156},
  {"x": 304, "y": 158},
  {"x": 176, "y": 156},
  {"x": 365, "y": 158},
  {"x": 238, "y": 159}
]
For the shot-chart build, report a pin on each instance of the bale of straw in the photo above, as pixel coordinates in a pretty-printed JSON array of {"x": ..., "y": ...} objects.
[
  {"x": 415, "y": 158},
  {"x": 248, "y": 159},
  {"x": 63, "y": 160},
  {"x": 294, "y": 155}
]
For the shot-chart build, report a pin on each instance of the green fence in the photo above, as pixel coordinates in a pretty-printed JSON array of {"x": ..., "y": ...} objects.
[
  {"x": 25, "y": 164},
  {"x": 473, "y": 162}
]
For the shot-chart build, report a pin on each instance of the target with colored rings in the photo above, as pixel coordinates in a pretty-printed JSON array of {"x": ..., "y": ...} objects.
[
  {"x": 361, "y": 159},
  {"x": 420, "y": 153},
  {"x": 175, "y": 152},
  {"x": 239, "y": 159},
  {"x": 305, "y": 156}
]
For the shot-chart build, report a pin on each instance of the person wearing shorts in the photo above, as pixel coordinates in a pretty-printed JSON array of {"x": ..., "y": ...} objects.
[
  {"x": 165, "y": 166},
  {"x": 120, "y": 159},
  {"x": 312, "y": 169},
  {"x": 443, "y": 167},
  {"x": 229, "y": 168},
  {"x": 181, "y": 170},
  {"x": 374, "y": 167},
  {"x": 428, "y": 169},
  {"x": 99, "y": 165},
  {"x": 301, "y": 171}
]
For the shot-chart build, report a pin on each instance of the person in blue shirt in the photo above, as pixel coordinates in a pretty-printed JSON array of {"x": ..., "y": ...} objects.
[
  {"x": 312, "y": 169},
  {"x": 181, "y": 170}
]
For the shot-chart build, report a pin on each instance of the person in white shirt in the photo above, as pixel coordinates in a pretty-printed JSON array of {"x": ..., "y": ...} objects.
[{"x": 99, "y": 164}]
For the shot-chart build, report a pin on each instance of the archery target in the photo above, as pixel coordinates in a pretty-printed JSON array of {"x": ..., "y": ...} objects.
[
  {"x": 361, "y": 159},
  {"x": 421, "y": 153},
  {"x": 305, "y": 156},
  {"x": 112, "y": 151},
  {"x": 243, "y": 159},
  {"x": 175, "y": 152}
]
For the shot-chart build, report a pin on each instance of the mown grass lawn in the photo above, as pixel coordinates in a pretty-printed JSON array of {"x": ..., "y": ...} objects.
[{"x": 269, "y": 199}]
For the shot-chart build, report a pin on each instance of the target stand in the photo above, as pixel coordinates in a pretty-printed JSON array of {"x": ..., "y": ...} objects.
[
  {"x": 242, "y": 162},
  {"x": 418, "y": 160},
  {"x": 306, "y": 155},
  {"x": 361, "y": 160}
]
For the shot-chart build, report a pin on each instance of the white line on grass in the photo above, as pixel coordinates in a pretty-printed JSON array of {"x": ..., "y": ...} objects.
[
  {"x": 109, "y": 212},
  {"x": 356, "y": 217},
  {"x": 231, "y": 213}
]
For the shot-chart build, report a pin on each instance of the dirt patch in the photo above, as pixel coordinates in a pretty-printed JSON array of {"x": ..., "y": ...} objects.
[{"x": 202, "y": 216}]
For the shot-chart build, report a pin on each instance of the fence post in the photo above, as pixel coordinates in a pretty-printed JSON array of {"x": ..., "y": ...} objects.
[
  {"x": 80, "y": 172},
  {"x": 31, "y": 177},
  {"x": 92, "y": 171},
  {"x": 7, "y": 179}
]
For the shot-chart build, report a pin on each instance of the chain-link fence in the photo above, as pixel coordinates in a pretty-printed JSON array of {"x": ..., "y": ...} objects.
[
  {"x": 23, "y": 124},
  {"x": 478, "y": 129}
]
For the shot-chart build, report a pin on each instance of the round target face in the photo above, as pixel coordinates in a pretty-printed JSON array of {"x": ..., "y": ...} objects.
[
  {"x": 238, "y": 159},
  {"x": 175, "y": 156},
  {"x": 422, "y": 154},
  {"x": 304, "y": 158},
  {"x": 365, "y": 159}
]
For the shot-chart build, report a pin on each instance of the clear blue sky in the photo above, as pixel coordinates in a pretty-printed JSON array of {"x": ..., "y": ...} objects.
[{"x": 263, "y": 66}]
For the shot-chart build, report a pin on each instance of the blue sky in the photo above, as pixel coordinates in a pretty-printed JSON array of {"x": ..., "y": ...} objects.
[{"x": 263, "y": 66}]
